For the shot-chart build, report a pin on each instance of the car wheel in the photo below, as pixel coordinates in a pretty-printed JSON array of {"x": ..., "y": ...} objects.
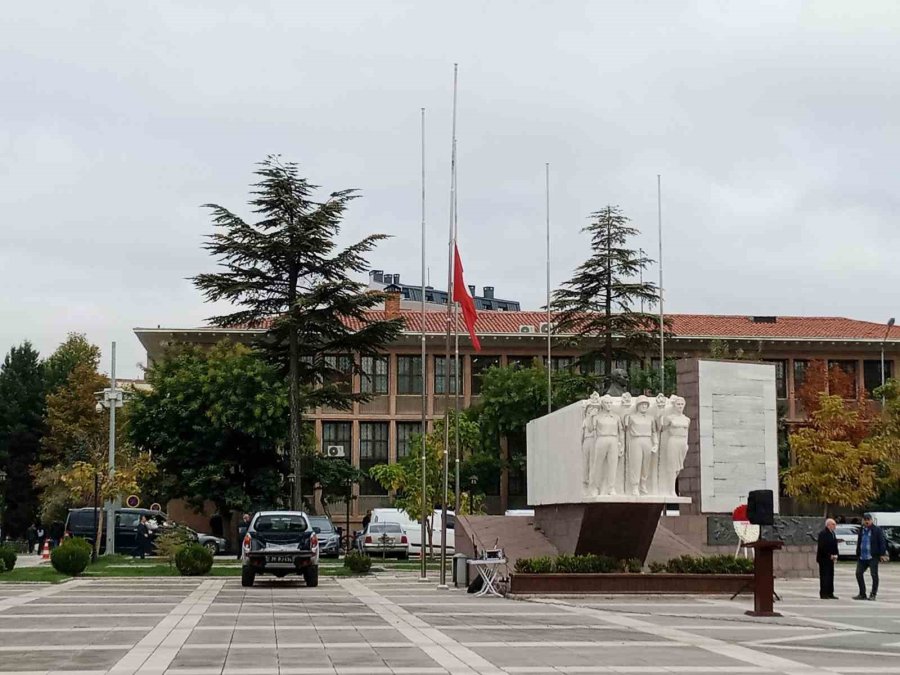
[
  {"x": 311, "y": 576},
  {"x": 403, "y": 556},
  {"x": 247, "y": 577},
  {"x": 212, "y": 547}
]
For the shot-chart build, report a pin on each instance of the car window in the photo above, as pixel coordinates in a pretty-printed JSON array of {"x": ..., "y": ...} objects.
[
  {"x": 281, "y": 523},
  {"x": 846, "y": 530},
  {"x": 81, "y": 519},
  {"x": 322, "y": 523},
  {"x": 128, "y": 519},
  {"x": 379, "y": 528}
]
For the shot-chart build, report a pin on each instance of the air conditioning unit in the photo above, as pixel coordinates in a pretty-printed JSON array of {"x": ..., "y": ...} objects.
[
  {"x": 546, "y": 327},
  {"x": 526, "y": 328},
  {"x": 335, "y": 451}
]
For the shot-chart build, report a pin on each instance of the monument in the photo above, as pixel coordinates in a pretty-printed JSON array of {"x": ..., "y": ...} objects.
[{"x": 601, "y": 470}]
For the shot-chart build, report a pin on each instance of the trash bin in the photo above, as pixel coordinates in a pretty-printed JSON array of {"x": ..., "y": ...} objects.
[{"x": 460, "y": 570}]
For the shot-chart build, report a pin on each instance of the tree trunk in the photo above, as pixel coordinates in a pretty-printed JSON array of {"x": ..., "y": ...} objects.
[
  {"x": 504, "y": 474},
  {"x": 99, "y": 534},
  {"x": 609, "y": 337},
  {"x": 294, "y": 375}
]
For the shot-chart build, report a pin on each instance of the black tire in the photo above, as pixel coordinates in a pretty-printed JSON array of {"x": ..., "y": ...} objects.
[
  {"x": 247, "y": 577},
  {"x": 311, "y": 576},
  {"x": 403, "y": 556}
]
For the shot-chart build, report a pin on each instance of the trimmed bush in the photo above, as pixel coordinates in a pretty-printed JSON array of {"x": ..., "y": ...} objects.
[
  {"x": 8, "y": 556},
  {"x": 170, "y": 540},
  {"x": 633, "y": 566},
  {"x": 540, "y": 565},
  {"x": 71, "y": 557},
  {"x": 713, "y": 564},
  {"x": 193, "y": 560},
  {"x": 358, "y": 563},
  {"x": 576, "y": 564}
]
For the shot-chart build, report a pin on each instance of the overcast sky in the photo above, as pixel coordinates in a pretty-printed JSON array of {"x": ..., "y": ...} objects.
[{"x": 773, "y": 125}]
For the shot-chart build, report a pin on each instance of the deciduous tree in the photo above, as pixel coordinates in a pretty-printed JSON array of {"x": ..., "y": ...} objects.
[{"x": 286, "y": 274}]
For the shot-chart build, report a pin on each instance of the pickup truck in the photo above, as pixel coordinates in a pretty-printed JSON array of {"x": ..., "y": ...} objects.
[{"x": 280, "y": 543}]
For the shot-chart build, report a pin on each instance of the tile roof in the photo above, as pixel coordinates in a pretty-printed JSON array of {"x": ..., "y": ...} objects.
[{"x": 683, "y": 325}]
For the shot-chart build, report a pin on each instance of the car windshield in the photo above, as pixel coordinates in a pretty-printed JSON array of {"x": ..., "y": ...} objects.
[
  {"x": 277, "y": 523},
  {"x": 323, "y": 524},
  {"x": 380, "y": 528},
  {"x": 846, "y": 529}
]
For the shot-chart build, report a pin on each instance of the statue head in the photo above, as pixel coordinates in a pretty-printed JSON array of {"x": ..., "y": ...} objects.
[
  {"x": 661, "y": 400},
  {"x": 626, "y": 400},
  {"x": 679, "y": 404},
  {"x": 619, "y": 376},
  {"x": 642, "y": 404},
  {"x": 606, "y": 402}
]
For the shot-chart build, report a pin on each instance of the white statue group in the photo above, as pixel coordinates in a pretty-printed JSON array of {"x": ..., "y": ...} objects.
[{"x": 633, "y": 446}]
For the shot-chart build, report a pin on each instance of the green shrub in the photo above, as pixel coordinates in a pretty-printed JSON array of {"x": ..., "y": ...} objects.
[
  {"x": 542, "y": 565},
  {"x": 8, "y": 556},
  {"x": 656, "y": 567},
  {"x": 357, "y": 562},
  {"x": 571, "y": 564},
  {"x": 171, "y": 539},
  {"x": 2, "y": 566},
  {"x": 633, "y": 566},
  {"x": 713, "y": 564},
  {"x": 71, "y": 557},
  {"x": 193, "y": 560}
]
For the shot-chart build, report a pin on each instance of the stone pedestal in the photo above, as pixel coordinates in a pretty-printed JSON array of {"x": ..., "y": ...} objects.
[{"x": 620, "y": 527}]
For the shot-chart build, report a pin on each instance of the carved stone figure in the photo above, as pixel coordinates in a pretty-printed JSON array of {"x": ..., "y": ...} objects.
[
  {"x": 642, "y": 444},
  {"x": 618, "y": 382},
  {"x": 589, "y": 436},
  {"x": 672, "y": 453},
  {"x": 608, "y": 447}
]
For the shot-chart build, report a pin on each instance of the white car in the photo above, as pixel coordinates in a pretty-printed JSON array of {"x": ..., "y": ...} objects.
[
  {"x": 414, "y": 533},
  {"x": 846, "y": 536}
]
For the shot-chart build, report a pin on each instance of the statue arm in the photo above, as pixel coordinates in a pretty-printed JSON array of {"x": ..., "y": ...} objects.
[
  {"x": 621, "y": 438},
  {"x": 654, "y": 438}
]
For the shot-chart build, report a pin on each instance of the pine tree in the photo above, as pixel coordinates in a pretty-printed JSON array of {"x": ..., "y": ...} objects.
[
  {"x": 602, "y": 300},
  {"x": 21, "y": 428},
  {"x": 287, "y": 276}
]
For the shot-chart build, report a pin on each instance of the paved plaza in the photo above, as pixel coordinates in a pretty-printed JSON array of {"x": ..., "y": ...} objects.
[{"x": 395, "y": 624}]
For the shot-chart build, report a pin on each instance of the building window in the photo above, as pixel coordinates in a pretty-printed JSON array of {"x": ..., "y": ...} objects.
[
  {"x": 405, "y": 433},
  {"x": 440, "y": 374},
  {"x": 872, "y": 374},
  {"x": 409, "y": 374},
  {"x": 480, "y": 365},
  {"x": 374, "y": 377},
  {"x": 341, "y": 372},
  {"x": 800, "y": 366},
  {"x": 849, "y": 367},
  {"x": 522, "y": 361},
  {"x": 373, "y": 450},
  {"x": 339, "y": 434},
  {"x": 558, "y": 363},
  {"x": 780, "y": 377}
]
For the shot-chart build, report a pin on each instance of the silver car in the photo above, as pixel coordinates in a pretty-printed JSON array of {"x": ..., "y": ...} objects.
[{"x": 385, "y": 539}]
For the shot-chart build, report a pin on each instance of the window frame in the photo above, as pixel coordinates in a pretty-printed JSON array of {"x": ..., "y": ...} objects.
[
  {"x": 369, "y": 441},
  {"x": 409, "y": 383},
  {"x": 455, "y": 373},
  {"x": 371, "y": 381}
]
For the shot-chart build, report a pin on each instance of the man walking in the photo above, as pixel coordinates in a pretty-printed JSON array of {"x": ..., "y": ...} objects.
[
  {"x": 243, "y": 526},
  {"x": 871, "y": 546},
  {"x": 826, "y": 554}
]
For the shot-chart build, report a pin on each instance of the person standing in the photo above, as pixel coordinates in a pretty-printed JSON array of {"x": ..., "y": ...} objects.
[
  {"x": 31, "y": 537},
  {"x": 143, "y": 539},
  {"x": 366, "y": 519},
  {"x": 826, "y": 554},
  {"x": 243, "y": 526},
  {"x": 871, "y": 547}
]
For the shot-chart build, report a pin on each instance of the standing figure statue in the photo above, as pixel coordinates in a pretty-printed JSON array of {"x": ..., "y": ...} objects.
[
  {"x": 672, "y": 454},
  {"x": 589, "y": 437},
  {"x": 609, "y": 446},
  {"x": 642, "y": 445}
]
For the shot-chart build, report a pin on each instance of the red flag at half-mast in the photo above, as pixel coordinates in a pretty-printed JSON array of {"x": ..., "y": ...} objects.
[{"x": 461, "y": 295}]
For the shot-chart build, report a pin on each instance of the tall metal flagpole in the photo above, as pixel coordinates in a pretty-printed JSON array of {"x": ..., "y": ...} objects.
[
  {"x": 662, "y": 344},
  {"x": 456, "y": 373},
  {"x": 549, "y": 315},
  {"x": 450, "y": 246},
  {"x": 111, "y": 503},
  {"x": 423, "y": 566}
]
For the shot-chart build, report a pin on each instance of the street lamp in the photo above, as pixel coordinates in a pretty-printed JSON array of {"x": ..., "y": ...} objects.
[{"x": 887, "y": 331}]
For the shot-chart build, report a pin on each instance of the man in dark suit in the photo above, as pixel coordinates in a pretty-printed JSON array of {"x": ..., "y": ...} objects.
[
  {"x": 871, "y": 547},
  {"x": 826, "y": 554}
]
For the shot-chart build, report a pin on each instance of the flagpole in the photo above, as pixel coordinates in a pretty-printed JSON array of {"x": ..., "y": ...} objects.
[
  {"x": 662, "y": 346},
  {"x": 549, "y": 315},
  {"x": 456, "y": 369},
  {"x": 423, "y": 573},
  {"x": 450, "y": 246}
]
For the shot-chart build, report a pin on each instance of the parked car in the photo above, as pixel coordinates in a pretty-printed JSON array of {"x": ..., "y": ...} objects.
[
  {"x": 414, "y": 532},
  {"x": 846, "y": 536},
  {"x": 889, "y": 522},
  {"x": 385, "y": 539},
  {"x": 280, "y": 543},
  {"x": 329, "y": 536},
  {"x": 214, "y": 545},
  {"x": 81, "y": 523}
]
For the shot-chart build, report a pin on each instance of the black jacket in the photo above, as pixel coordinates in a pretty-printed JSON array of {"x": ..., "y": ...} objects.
[
  {"x": 828, "y": 546},
  {"x": 877, "y": 544}
]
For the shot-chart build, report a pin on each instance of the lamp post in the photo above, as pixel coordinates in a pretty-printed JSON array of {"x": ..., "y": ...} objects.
[
  {"x": 887, "y": 331},
  {"x": 109, "y": 399}
]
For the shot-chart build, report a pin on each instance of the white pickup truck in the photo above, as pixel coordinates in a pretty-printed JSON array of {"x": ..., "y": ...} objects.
[{"x": 413, "y": 529}]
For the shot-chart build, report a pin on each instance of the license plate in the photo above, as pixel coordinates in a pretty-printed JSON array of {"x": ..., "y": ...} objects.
[{"x": 280, "y": 559}]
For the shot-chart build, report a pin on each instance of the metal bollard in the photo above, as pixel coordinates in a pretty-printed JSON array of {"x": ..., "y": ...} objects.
[{"x": 460, "y": 570}]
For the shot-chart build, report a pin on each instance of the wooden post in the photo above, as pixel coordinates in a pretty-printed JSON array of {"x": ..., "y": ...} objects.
[{"x": 764, "y": 578}]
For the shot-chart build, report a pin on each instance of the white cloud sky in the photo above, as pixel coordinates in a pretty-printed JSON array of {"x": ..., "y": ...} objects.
[{"x": 773, "y": 125}]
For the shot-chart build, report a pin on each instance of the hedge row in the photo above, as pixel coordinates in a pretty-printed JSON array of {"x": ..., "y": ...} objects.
[
  {"x": 601, "y": 564},
  {"x": 713, "y": 564}
]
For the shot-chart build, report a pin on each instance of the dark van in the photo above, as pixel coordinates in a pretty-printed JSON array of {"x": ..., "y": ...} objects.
[{"x": 81, "y": 523}]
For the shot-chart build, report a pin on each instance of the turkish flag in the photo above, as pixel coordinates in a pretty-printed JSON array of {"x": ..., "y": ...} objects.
[{"x": 461, "y": 295}]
